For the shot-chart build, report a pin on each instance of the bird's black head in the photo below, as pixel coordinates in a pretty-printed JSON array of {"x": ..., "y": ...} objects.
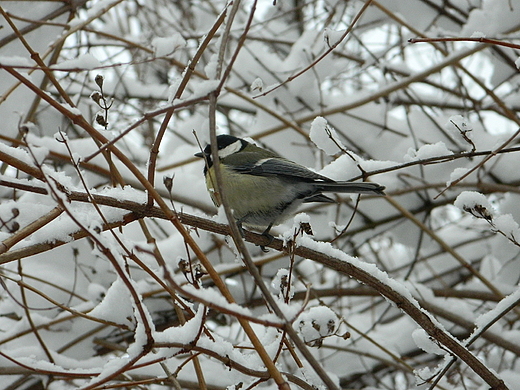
[{"x": 227, "y": 145}]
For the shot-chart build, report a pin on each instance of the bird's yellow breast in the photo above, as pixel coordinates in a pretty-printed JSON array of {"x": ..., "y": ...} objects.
[{"x": 252, "y": 198}]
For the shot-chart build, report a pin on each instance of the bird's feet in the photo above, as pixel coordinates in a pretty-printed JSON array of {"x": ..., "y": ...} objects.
[{"x": 266, "y": 234}]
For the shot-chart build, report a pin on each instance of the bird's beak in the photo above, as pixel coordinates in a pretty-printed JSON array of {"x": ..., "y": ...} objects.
[{"x": 200, "y": 154}]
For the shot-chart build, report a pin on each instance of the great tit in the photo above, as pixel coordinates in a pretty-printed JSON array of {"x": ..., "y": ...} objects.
[{"x": 264, "y": 189}]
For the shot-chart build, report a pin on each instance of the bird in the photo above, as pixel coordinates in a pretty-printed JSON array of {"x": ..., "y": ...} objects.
[{"x": 263, "y": 189}]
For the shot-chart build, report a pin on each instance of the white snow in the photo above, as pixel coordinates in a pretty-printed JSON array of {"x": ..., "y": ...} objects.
[
  {"x": 491, "y": 19},
  {"x": 425, "y": 342},
  {"x": 164, "y": 46},
  {"x": 380, "y": 99},
  {"x": 333, "y": 37},
  {"x": 478, "y": 34},
  {"x": 325, "y": 137},
  {"x": 316, "y": 323},
  {"x": 507, "y": 225},
  {"x": 203, "y": 88},
  {"x": 84, "y": 62},
  {"x": 184, "y": 334},
  {"x": 18, "y": 153},
  {"x": 211, "y": 68},
  {"x": 16, "y": 61},
  {"x": 372, "y": 269},
  {"x": 457, "y": 174},
  {"x": 427, "y": 151},
  {"x": 116, "y": 306},
  {"x": 210, "y": 295},
  {"x": 257, "y": 84},
  {"x": 501, "y": 308},
  {"x": 469, "y": 200},
  {"x": 280, "y": 284}
]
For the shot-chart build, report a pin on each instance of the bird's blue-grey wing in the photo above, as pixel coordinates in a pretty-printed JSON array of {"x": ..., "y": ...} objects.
[{"x": 279, "y": 167}]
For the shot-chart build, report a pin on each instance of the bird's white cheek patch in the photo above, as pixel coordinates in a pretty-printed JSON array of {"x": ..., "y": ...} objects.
[{"x": 230, "y": 149}]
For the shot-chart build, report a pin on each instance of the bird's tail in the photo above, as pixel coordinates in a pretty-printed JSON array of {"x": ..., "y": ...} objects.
[{"x": 353, "y": 188}]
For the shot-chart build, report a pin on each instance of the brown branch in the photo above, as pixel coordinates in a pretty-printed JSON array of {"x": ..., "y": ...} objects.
[
  {"x": 412, "y": 309},
  {"x": 337, "y": 264},
  {"x": 324, "y": 54},
  {"x": 491, "y": 41}
]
